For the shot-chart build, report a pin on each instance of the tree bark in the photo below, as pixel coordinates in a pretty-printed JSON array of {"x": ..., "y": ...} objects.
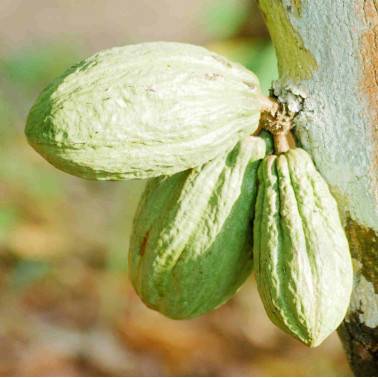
[{"x": 328, "y": 62}]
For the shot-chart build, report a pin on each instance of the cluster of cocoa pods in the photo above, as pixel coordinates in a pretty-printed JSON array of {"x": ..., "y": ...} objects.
[{"x": 221, "y": 197}]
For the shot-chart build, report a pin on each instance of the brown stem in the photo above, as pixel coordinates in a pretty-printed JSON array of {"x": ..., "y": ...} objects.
[
  {"x": 281, "y": 144},
  {"x": 283, "y": 141},
  {"x": 277, "y": 118}
]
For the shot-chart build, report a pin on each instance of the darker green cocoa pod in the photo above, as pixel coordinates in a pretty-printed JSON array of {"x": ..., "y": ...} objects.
[
  {"x": 302, "y": 260},
  {"x": 144, "y": 110},
  {"x": 191, "y": 248}
]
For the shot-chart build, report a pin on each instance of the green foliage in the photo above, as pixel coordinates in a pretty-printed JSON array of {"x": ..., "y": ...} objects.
[
  {"x": 38, "y": 181},
  {"x": 23, "y": 73},
  {"x": 35, "y": 65},
  {"x": 8, "y": 218},
  {"x": 224, "y": 18}
]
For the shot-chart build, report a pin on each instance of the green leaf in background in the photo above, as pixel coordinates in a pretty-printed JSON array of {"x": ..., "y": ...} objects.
[
  {"x": 23, "y": 74},
  {"x": 8, "y": 218},
  {"x": 7, "y": 118},
  {"x": 265, "y": 66},
  {"x": 224, "y": 18},
  {"x": 39, "y": 181},
  {"x": 36, "y": 65}
]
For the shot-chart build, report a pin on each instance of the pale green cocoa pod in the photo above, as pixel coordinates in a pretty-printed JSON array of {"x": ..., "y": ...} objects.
[
  {"x": 144, "y": 110},
  {"x": 191, "y": 248},
  {"x": 302, "y": 260}
]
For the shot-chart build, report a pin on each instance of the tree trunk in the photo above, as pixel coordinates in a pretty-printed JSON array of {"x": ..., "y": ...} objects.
[{"x": 328, "y": 62}]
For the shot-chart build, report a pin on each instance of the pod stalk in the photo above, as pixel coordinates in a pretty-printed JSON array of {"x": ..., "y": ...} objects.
[{"x": 278, "y": 120}]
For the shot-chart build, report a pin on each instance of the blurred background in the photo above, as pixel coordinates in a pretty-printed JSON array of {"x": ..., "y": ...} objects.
[{"x": 66, "y": 306}]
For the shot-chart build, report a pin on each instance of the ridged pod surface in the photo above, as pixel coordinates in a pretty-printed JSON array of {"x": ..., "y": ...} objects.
[
  {"x": 191, "y": 248},
  {"x": 302, "y": 260},
  {"x": 144, "y": 110}
]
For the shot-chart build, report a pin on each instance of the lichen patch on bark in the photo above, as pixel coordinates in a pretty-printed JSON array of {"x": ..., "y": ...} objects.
[{"x": 363, "y": 244}]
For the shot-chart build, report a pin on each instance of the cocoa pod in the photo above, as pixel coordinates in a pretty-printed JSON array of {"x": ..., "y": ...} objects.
[
  {"x": 144, "y": 110},
  {"x": 191, "y": 248},
  {"x": 302, "y": 260}
]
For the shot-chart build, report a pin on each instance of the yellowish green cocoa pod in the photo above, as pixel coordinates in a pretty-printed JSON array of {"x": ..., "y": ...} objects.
[
  {"x": 191, "y": 248},
  {"x": 144, "y": 110},
  {"x": 302, "y": 260}
]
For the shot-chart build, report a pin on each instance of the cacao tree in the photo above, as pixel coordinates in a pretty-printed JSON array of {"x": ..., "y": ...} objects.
[
  {"x": 183, "y": 117},
  {"x": 328, "y": 63}
]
